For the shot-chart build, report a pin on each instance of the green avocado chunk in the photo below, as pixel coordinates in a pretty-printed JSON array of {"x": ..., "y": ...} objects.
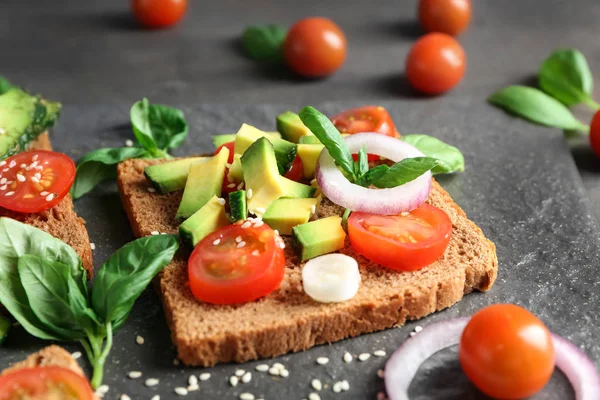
[
  {"x": 170, "y": 176},
  {"x": 5, "y": 325},
  {"x": 309, "y": 154},
  {"x": 309, "y": 140},
  {"x": 284, "y": 214},
  {"x": 220, "y": 140},
  {"x": 285, "y": 151},
  {"x": 238, "y": 206},
  {"x": 295, "y": 189},
  {"x": 204, "y": 181},
  {"x": 23, "y": 118},
  {"x": 204, "y": 222},
  {"x": 319, "y": 237},
  {"x": 291, "y": 127}
]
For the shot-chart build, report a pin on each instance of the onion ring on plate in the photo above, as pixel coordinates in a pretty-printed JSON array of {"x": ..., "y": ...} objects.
[
  {"x": 393, "y": 201},
  {"x": 403, "y": 365}
]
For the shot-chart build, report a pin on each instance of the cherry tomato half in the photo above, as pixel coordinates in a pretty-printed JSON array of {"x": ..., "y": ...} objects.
[
  {"x": 35, "y": 181},
  {"x": 365, "y": 119},
  {"x": 404, "y": 242},
  {"x": 158, "y": 13},
  {"x": 296, "y": 172},
  {"x": 230, "y": 272},
  {"x": 507, "y": 352},
  {"x": 446, "y": 16},
  {"x": 315, "y": 47},
  {"x": 595, "y": 133},
  {"x": 44, "y": 383},
  {"x": 436, "y": 63}
]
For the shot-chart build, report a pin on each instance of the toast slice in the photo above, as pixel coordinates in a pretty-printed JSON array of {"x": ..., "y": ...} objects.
[
  {"x": 51, "y": 356},
  {"x": 60, "y": 221},
  {"x": 288, "y": 320}
]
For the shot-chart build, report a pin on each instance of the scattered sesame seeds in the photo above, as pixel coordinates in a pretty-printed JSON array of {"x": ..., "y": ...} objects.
[
  {"x": 6, "y": 170},
  {"x": 35, "y": 180},
  {"x": 238, "y": 239},
  {"x": 125, "y": 397},
  {"x": 151, "y": 190},
  {"x": 246, "y": 225},
  {"x": 20, "y": 178},
  {"x": 246, "y": 396},
  {"x": 35, "y": 157},
  {"x": 139, "y": 340},
  {"x": 284, "y": 373},
  {"x": 381, "y": 373},
  {"x": 155, "y": 397},
  {"x": 313, "y": 209},
  {"x": 231, "y": 185},
  {"x": 193, "y": 388},
  {"x": 103, "y": 389},
  {"x": 181, "y": 391},
  {"x": 221, "y": 201},
  {"x": 239, "y": 372},
  {"x": 322, "y": 360},
  {"x": 247, "y": 377},
  {"x": 50, "y": 197},
  {"x": 345, "y": 385},
  {"x": 3, "y": 187},
  {"x": 154, "y": 233},
  {"x": 314, "y": 396},
  {"x": 255, "y": 253},
  {"x": 240, "y": 186},
  {"x": 151, "y": 382},
  {"x": 192, "y": 380},
  {"x": 249, "y": 194},
  {"x": 316, "y": 384},
  {"x": 216, "y": 242},
  {"x": 262, "y": 367},
  {"x": 241, "y": 244},
  {"x": 8, "y": 194},
  {"x": 205, "y": 376},
  {"x": 37, "y": 175},
  {"x": 379, "y": 353},
  {"x": 233, "y": 381},
  {"x": 44, "y": 193},
  {"x": 279, "y": 366},
  {"x": 23, "y": 166},
  {"x": 282, "y": 245},
  {"x": 33, "y": 165},
  {"x": 412, "y": 334},
  {"x": 129, "y": 143},
  {"x": 93, "y": 246},
  {"x": 12, "y": 164},
  {"x": 418, "y": 328},
  {"x": 337, "y": 387},
  {"x": 364, "y": 357},
  {"x": 3, "y": 181},
  {"x": 259, "y": 223},
  {"x": 39, "y": 168},
  {"x": 347, "y": 357},
  {"x": 2, "y": 163},
  {"x": 76, "y": 355},
  {"x": 261, "y": 210},
  {"x": 134, "y": 374},
  {"x": 274, "y": 371}
]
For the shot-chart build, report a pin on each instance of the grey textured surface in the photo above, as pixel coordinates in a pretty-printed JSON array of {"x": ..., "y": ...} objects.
[{"x": 531, "y": 204}]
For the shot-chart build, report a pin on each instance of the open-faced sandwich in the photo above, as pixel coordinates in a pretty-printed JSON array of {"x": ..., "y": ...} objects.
[{"x": 301, "y": 237}]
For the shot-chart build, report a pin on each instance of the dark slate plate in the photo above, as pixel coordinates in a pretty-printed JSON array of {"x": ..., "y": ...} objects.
[{"x": 521, "y": 187}]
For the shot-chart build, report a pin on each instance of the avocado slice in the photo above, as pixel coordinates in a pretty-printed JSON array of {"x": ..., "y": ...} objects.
[
  {"x": 204, "y": 222},
  {"x": 220, "y": 140},
  {"x": 235, "y": 173},
  {"x": 204, "y": 181},
  {"x": 319, "y": 237},
  {"x": 285, "y": 151},
  {"x": 309, "y": 140},
  {"x": 295, "y": 189},
  {"x": 291, "y": 127},
  {"x": 261, "y": 175},
  {"x": 284, "y": 214},
  {"x": 238, "y": 206},
  {"x": 23, "y": 118},
  {"x": 5, "y": 325},
  {"x": 309, "y": 154},
  {"x": 170, "y": 176}
]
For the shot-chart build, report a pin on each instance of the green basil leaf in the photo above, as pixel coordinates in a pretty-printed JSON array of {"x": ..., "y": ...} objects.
[
  {"x": 566, "y": 76},
  {"x": 140, "y": 122},
  {"x": 450, "y": 156},
  {"x": 168, "y": 126},
  {"x": 328, "y": 134},
  {"x": 405, "y": 171},
  {"x": 46, "y": 284},
  {"x": 264, "y": 42},
  {"x": 536, "y": 106},
  {"x": 16, "y": 240},
  {"x": 126, "y": 274},
  {"x": 373, "y": 174},
  {"x": 362, "y": 164},
  {"x": 100, "y": 165},
  {"x": 4, "y": 85}
]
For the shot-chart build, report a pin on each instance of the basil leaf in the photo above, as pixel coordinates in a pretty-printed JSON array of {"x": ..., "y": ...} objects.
[
  {"x": 373, "y": 174},
  {"x": 140, "y": 121},
  {"x": 405, "y": 171},
  {"x": 264, "y": 42},
  {"x": 566, "y": 76},
  {"x": 16, "y": 240},
  {"x": 46, "y": 284},
  {"x": 535, "y": 106},
  {"x": 451, "y": 157},
  {"x": 362, "y": 165},
  {"x": 4, "y": 85},
  {"x": 100, "y": 165},
  {"x": 126, "y": 274},
  {"x": 168, "y": 126},
  {"x": 328, "y": 134}
]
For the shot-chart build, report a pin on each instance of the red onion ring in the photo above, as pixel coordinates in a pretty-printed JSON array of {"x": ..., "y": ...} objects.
[
  {"x": 403, "y": 365},
  {"x": 392, "y": 201}
]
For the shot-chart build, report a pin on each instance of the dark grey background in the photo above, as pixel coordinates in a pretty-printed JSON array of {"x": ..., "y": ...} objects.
[{"x": 521, "y": 185}]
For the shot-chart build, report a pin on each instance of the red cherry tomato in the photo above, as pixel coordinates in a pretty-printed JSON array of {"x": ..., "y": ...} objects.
[
  {"x": 595, "y": 133},
  {"x": 158, "y": 13},
  {"x": 436, "y": 63},
  {"x": 296, "y": 172},
  {"x": 35, "y": 181},
  {"x": 507, "y": 352},
  {"x": 230, "y": 273},
  {"x": 44, "y": 383},
  {"x": 315, "y": 47},
  {"x": 404, "y": 242},
  {"x": 446, "y": 16},
  {"x": 230, "y": 146}
]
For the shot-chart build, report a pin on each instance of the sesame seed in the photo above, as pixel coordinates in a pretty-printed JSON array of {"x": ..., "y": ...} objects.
[
  {"x": 418, "y": 329},
  {"x": 279, "y": 366},
  {"x": 216, "y": 242},
  {"x": 6, "y": 170},
  {"x": 151, "y": 382},
  {"x": 379, "y": 353},
  {"x": 347, "y": 357},
  {"x": 246, "y": 396},
  {"x": 8, "y": 194},
  {"x": 44, "y": 193},
  {"x": 316, "y": 384},
  {"x": 412, "y": 334},
  {"x": 364, "y": 357},
  {"x": 247, "y": 377},
  {"x": 20, "y": 178},
  {"x": 261, "y": 367},
  {"x": 255, "y": 253},
  {"x": 38, "y": 175},
  {"x": 2, "y": 163},
  {"x": 228, "y": 165},
  {"x": 249, "y": 194},
  {"x": 151, "y": 190},
  {"x": 50, "y": 197},
  {"x": 23, "y": 165},
  {"x": 233, "y": 380},
  {"x": 35, "y": 157},
  {"x": 231, "y": 185},
  {"x": 239, "y": 372},
  {"x": 238, "y": 239},
  {"x": 240, "y": 186},
  {"x": 246, "y": 225},
  {"x": 125, "y": 397},
  {"x": 3, "y": 181},
  {"x": 176, "y": 361},
  {"x": 221, "y": 201},
  {"x": 345, "y": 385},
  {"x": 3, "y": 187},
  {"x": 314, "y": 396},
  {"x": 181, "y": 391},
  {"x": 129, "y": 143},
  {"x": 33, "y": 165},
  {"x": 284, "y": 373},
  {"x": 134, "y": 375},
  {"x": 155, "y": 397},
  {"x": 93, "y": 246},
  {"x": 9, "y": 182},
  {"x": 39, "y": 168},
  {"x": 259, "y": 224},
  {"x": 103, "y": 389},
  {"x": 76, "y": 355},
  {"x": 35, "y": 180},
  {"x": 139, "y": 340},
  {"x": 337, "y": 387},
  {"x": 381, "y": 373},
  {"x": 193, "y": 388},
  {"x": 154, "y": 233},
  {"x": 12, "y": 164},
  {"x": 261, "y": 210},
  {"x": 322, "y": 360},
  {"x": 274, "y": 371},
  {"x": 241, "y": 244},
  {"x": 205, "y": 376},
  {"x": 282, "y": 245},
  {"x": 192, "y": 380}
]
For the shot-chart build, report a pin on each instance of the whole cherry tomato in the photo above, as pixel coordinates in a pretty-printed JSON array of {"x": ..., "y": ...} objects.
[
  {"x": 158, "y": 13},
  {"x": 595, "y": 133},
  {"x": 446, "y": 16}
]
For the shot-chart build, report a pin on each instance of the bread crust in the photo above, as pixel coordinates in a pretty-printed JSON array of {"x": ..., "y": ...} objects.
[{"x": 288, "y": 320}]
